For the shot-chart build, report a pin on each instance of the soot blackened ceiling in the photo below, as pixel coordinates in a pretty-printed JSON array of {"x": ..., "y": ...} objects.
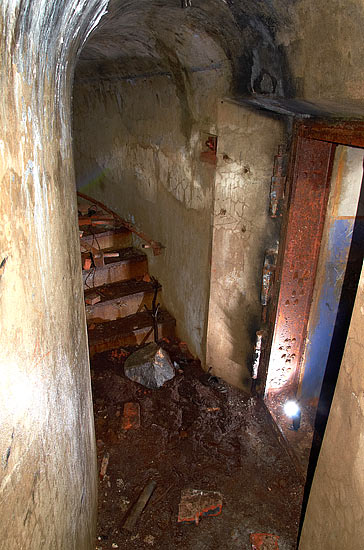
[{"x": 139, "y": 37}]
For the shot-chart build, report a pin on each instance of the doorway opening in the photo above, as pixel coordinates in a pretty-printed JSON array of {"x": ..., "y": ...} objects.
[{"x": 320, "y": 263}]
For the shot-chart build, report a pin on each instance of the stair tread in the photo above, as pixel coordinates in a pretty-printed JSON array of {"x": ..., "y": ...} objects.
[
  {"x": 98, "y": 231},
  {"x": 120, "y": 289},
  {"x": 126, "y": 325},
  {"x": 125, "y": 254},
  {"x": 95, "y": 221}
]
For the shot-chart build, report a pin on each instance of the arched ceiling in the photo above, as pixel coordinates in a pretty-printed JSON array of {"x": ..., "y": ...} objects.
[{"x": 151, "y": 36}]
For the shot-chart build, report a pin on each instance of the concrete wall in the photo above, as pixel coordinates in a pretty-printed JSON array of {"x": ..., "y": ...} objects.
[
  {"x": 48, "y": 478},
  {"x": 242, "y": 231},
  {"x": 138, "y": 140},
  {"x": 322, "y": 44},
  {"x": 48, "y": 467},
  {"x": 334, "y": 517}
]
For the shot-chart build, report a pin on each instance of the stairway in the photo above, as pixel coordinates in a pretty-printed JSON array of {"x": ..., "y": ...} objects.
[{"x": 117, "y": 285}]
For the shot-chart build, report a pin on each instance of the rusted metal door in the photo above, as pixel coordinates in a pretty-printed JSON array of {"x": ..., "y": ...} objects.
[{"x": 304, "y": 227}]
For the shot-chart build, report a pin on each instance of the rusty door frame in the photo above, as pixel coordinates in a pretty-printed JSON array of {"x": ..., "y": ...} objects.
[{"x": 343, "y": 133}]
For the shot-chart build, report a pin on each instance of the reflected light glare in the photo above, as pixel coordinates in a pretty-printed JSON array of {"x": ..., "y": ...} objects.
[{"x": 291, "y": 409}]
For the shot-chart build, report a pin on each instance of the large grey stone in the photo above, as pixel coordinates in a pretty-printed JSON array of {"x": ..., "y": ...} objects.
[{"x": 150, "y": 366}]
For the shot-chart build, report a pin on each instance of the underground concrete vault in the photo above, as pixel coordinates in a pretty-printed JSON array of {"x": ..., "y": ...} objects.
[{"x": 149, "y": 92}]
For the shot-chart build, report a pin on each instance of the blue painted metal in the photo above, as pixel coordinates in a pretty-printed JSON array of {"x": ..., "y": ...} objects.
[{"x": 321, "y": 330}]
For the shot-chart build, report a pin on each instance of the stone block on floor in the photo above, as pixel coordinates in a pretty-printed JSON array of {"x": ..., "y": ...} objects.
[{"x": 150, "y": 366}]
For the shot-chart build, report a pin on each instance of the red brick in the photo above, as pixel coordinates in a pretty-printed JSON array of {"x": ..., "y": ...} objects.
[
  {"x": 131, "y": 416},
  {"x": 87, "y": 264},
  {"x": 264, "y": 541},
  {"x": 92, "y": 299}
]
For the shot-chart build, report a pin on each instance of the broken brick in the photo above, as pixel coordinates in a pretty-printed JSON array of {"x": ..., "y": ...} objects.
[
  {"x": 87, "y": 264},
  {"x": 104, "y": 465},
  {"x": 92, "y": 299},
  {"x": 119, "y": 353},
  {"x": 264, "y": 541},
  {"x": 131, "y": 416},
  {"x": 195, "y": 504}
]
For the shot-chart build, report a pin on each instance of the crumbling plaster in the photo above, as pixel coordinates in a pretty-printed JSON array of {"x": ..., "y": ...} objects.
[
  {"x": 48, "y": 467},
  {"x": 242, "y": 231}
]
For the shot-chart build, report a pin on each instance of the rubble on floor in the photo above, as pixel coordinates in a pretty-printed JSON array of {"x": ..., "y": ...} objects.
[
  {"x": 149, "y": 366},
  {"x": 137, "y": 509},
  {"x": 190, "y": 435},
  {"x": 196, "y": 504},
  {"x": 131, "y": 416},
  {"x": 264, "y": 541}
]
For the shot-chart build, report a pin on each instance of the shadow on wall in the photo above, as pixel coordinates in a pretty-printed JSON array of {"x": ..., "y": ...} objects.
[
  {"x": 241, "y": 324},
  {"x": 94, "y": 178},
  {"x": 263, "y": 67}
]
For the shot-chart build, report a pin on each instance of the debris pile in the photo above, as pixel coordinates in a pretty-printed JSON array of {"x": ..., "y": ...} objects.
[{"x": 208, "y": 449}]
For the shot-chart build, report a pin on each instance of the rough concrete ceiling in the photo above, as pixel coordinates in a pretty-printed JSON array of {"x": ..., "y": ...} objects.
[{"x": 138, "y": 36}]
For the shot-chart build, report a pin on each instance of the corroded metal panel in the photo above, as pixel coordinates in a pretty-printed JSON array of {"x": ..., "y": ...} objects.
[
  {"x": 346, "y": 133},
  {"x": 302, "y": 245},
  {"x": 326, "y": 314}
]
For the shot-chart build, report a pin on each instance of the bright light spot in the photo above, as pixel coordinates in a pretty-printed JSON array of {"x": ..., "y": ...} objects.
[
  {"x": 291, "y": 409},
  {"x": 23, "y": 395}
]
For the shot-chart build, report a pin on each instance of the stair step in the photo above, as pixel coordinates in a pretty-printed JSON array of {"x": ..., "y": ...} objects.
[
  {"x": 119, "y": 300},
  {"x": 99, "y": 237},
  {"x": 131, "y": 264},
  {"x": 128, "y": 331},
  {"x": 96, "y": 220}
]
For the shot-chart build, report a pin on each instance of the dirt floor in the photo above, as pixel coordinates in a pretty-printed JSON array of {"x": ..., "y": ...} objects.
[{"x": 191, "y": 436}]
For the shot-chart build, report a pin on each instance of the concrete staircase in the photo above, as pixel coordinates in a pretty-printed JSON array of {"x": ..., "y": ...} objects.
[{"x": 117, "y": 285}]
